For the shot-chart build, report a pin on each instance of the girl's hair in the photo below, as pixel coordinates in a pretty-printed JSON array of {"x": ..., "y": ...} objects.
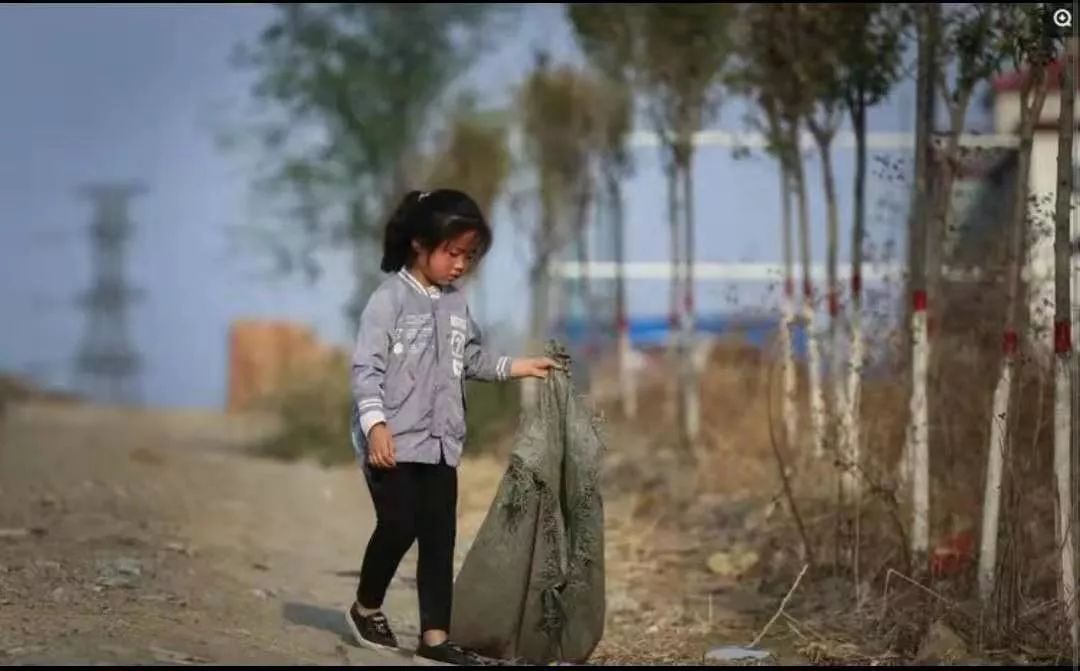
[{"x": 431, "y": 218}]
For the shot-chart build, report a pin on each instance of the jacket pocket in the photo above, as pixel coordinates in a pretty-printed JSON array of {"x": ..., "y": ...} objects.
[{"x": 399, "y": 385}]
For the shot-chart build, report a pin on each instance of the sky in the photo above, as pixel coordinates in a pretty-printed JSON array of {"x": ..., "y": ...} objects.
[{"x": 136, "y": 93}]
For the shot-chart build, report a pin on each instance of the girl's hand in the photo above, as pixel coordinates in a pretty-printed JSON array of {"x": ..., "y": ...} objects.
[
  {"x": 533, "y": 367},
  {"x": 381, "y": 447}
]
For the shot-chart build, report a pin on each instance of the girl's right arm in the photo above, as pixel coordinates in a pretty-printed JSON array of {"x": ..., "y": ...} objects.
[{"x": 369, "y": 359}]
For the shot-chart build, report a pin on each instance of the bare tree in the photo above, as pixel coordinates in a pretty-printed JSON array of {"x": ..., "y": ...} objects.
[
  {"x": 606, "y": 33},
  {"x": 916, "y": 462},
  {"x": 763, "y": 75},
  {"x": 1029, "y": 44},
  {"x": 1066, "y": 520},
  {"x": 561, "y": 130},
  {"x": 870, "y": 49},
  {"x": 684, "y": 49}
]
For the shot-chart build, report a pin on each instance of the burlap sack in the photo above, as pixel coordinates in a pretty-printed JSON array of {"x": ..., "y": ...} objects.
[{"x": 531, "y": 588}]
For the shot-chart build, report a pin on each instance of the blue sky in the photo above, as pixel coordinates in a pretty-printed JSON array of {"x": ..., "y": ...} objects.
[{"x": 135, "y": 92}]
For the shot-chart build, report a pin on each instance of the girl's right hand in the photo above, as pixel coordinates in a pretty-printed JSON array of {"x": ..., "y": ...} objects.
[{"x": 381, "y": 443}]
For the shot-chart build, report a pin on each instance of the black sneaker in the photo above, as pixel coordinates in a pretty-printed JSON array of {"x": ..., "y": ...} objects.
[
  {"x": 371, "y": 631},
  {"x": 447, "y": 653}
]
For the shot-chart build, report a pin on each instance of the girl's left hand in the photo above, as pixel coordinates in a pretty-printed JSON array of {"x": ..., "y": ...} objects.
[{"x": 533, "y": 367}]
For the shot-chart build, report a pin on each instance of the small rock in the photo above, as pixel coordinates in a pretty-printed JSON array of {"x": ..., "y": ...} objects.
[
  {"x": 171, "y": 656},
  {"x": 49, "y": 501},
  {"x": 733, "y": 563},
  {"x": 941, "y": 645},
  {"x": 120, "y": 572},
  {"x": 57, "y": 594},
  {"x": 264, "y": 593},
  {"x": 14, "y": 533},
  {"x": 735, "y": 654},
  {"x": 15, "y": 652},
  {"x": 621, "y": 602},
  {"x": 654, "y": 629},
  {"x": 47, "y": 565},
  {"x": 180, "y": 548},
  {"x": 259, "y": 566}
]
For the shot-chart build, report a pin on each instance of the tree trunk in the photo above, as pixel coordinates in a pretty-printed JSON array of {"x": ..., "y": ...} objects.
[
  {"x": 689, "y": 360},
  {"x": 817, "y": 395},
  {"x": 787, "y": 320},
  {"x": 850, "y": 429},
  {"x": 836, "y": 377},
  {"x": 627, "y": 388},
  {"x": 674, "y": 316},
  {"x": 541, "y": 284},
  {"x": 1031, "y": 103},
  {"x": 1066, "y": 523},
  {"x": 581, "y": 229},
  {"x": 916, "y": 462}
]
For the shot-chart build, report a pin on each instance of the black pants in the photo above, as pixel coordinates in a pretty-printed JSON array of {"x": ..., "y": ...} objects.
[{"x": 412, "y": 502}]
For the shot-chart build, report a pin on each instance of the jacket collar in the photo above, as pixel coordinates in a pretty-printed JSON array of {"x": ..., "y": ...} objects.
[{"x": 430, "y": 292}]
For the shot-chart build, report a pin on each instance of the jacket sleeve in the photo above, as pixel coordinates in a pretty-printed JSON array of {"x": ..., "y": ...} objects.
[
  {"x": 480, "y": 364},
  {"x": 369, "y": 358}
]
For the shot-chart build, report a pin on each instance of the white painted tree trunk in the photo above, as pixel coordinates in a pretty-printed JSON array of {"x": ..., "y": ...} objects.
[
  {"x": 995, "y": 462},
  {"x": 918, "y": 443},
  {"x": 1063, "y": 471},
  {"x": 850, "y": 429},
  {"x": 1063, "y": 380},
  {"x": 689, "y": 322},
  {"x": 787, "y": 320},
  {"x": 627, "y": 382},
  {"x": 790, "y": 407},
  {"x": 817, "y": 390}
]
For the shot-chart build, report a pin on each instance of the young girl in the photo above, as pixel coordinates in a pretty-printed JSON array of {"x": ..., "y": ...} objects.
[{"x": 417, "y": 345}]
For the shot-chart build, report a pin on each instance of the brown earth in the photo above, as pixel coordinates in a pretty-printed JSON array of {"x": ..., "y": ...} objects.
[{"x": 142, "y": 536}]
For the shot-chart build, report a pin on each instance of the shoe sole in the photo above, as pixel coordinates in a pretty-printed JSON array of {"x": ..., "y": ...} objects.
[
  {"x": 363, "y": 642},
  {"x": 424, "y": 661}
]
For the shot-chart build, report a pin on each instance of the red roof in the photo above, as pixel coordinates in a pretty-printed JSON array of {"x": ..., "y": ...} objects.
[{"x": 1011, "y": 81}]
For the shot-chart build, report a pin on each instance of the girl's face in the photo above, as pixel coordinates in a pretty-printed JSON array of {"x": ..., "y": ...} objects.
[{"x": 449, "y": 261}]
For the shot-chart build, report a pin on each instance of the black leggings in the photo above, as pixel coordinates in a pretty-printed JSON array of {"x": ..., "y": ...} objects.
[{"x": 412, "y": 502}]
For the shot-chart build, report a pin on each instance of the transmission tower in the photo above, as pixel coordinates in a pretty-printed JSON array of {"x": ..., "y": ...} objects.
[{"x": 107, "y": 364}]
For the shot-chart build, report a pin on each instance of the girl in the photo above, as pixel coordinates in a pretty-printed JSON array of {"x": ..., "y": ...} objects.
[{"x": 417, "y": 345}]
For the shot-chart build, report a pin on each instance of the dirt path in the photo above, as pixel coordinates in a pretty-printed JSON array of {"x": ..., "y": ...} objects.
[
  {"x": 142, "y": 537},
  {"x": 154, "y": 538}
]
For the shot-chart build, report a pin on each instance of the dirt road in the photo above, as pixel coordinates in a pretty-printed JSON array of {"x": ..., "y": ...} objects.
[
  {"x": 150, "y": 537},
  {"x": 144, "y": 537}
]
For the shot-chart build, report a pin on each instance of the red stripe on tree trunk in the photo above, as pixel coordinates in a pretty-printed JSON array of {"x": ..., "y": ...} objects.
[
  {"x": 856, "y": 284},
  {"x": 1010, "y": 342},
  {"x": 834, "y": 303},
  {"x": 808, "y": 289},
  {"x": 1062, "y": 337},
  {"x": 789, "y": 287},
  {"x": 918, "y": 300}
]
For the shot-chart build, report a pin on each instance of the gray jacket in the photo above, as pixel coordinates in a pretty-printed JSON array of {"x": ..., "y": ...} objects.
[{"x": 414, "y": 351}]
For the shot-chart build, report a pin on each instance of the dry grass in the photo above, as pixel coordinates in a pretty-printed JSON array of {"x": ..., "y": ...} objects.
[{"x": 727, "y": 494}]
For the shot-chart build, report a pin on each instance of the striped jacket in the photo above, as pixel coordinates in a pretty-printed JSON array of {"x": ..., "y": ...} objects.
[{"x": 414, "y": 350}]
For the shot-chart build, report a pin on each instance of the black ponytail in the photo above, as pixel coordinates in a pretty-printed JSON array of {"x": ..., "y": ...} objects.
[
  {"x": 431, "y": 218},
  {"x": 397, "y": 241}
]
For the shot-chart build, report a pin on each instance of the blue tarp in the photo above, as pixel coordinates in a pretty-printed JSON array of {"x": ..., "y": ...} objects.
[{"x": 654, "y": 331}]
